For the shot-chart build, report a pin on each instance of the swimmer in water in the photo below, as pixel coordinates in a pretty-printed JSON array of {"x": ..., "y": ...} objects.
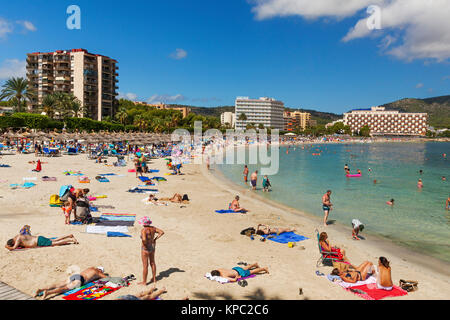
[
  {"x": 447, "y": 203},
  {"x": 375, "y": 181},
  {"x": 444, "y": 178},
  {"x": 420, "y": 171},
  {"x": 359, "y": 171},
  {"x": 390, "y": 203},
  {"x": 420, "y": 184}
]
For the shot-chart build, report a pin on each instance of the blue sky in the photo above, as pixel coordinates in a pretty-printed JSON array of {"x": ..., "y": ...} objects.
[{"x": 207, "y": 52}]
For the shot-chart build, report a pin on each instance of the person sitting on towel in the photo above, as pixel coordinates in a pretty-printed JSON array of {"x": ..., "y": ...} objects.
[
  {"x": 384, "y": 279},
  {"x": 28, "y": 241},
  {"x": 236, "y": 273},
  {"x": 361, "y": 273},
  {"x": 236, "y": 207},
  {"x": 263, "y": 229},
  {"x": 151, "y": 294},
  {"x": 75, "y": 281}
]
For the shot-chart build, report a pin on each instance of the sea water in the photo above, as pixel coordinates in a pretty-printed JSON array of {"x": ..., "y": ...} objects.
[{"x": 418, "y": 218}]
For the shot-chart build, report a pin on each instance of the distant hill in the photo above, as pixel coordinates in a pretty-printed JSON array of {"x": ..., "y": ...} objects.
[
  {"x": 438, "y": 109},
  {"x": 212, "y": 111}
]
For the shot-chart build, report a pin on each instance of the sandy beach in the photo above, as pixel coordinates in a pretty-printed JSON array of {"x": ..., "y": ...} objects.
[{"x": 196, "y": 239}]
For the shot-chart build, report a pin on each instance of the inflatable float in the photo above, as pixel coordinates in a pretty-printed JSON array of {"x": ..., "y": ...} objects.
[{"x": 353, "y": 175}]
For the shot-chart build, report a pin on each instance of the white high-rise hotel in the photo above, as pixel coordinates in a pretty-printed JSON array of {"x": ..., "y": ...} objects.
[{"x": 265, "y": 111}]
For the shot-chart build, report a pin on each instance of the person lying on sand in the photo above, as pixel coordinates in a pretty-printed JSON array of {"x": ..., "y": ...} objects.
[
  {"x": 236, "y": 273},
  {"x": 361, "y": 273},
  {"x": 177, "y": 198},
  {"x": 75, "y": 281},
  {"x": 263, "y": 229},
  {"x": 28, "y": 241},
  {"x": 236, "y": 207},
  {"x": 150, "y": 294},
  {"x": 326, "y": 246}
]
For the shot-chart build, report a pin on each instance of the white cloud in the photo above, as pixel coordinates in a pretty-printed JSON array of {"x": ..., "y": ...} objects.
[
  {"x": 166, "y": 98},
  {"x": 422, "y": 27},
  {"x": 419, "y": 85},
  {"x": 178, "y": 54},
  {"x": 27, "y": 25},
  {"x": 130, "y": 96},
  {"x": 12, "y": 68},
  {"x": 5, "y": 28}
]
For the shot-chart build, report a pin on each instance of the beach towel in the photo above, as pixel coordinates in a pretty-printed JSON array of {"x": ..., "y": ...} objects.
[
  {"x": 225, "y": 280},
  {"x": 139, "y": 190},
  {"x": 285, "y": 237},
  {"x": 26, "y": 185},
  {"x": 106, "y": 229},
  {"x": 144, "y": 179},
  {"x": 131, "y": 170},
  {"x": 29, "y": 178},
  {"x": 102, "y": 179},
  {"x": 5, "y": 166},
  {"x": 91, "y": 293},
  {"x": 48, "y": 178},
  {"x": 227, "y": 211},
  {"x": 153, "y": 171},
  {"x": 118, "y": 217},
  {"x": 93, "y": 209},
  {"x": 117, "y": 234},
  {"x": 107, "y": 174},
  {"x": 76, "y": 222},
  {"x": 371, "y": 292},
  {"x": 159, "y": 179},
  {"x": 92, "y": 198},
  {"x": 87, "y": 285},
  {"x": 115, "y": 223},
  {"x": 145, "y": 200}
]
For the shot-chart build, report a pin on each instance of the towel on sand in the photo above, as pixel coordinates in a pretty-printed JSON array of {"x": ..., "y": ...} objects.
[
  {"x": 227, "y": 211},
  {"x": 118, "y": 216},
  {"x": 115, "y": 223},
  {"x": 286, "y": 237},
  {"x": 26, "y": 185},
  {"x": 106, "y": 229},
  {"x": 144, "y": 179},
  {"x": 224, "y": 280},
  {"x": 369, "y": 280},
  {"x": 373, "y": 293},
  {"x": 139, "y": 190},
  {"x": 117, "y": 234}
]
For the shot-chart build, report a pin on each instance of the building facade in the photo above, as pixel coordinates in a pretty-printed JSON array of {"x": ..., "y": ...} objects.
[
  {"x": 386, "y": 122},
  {"x": 265, "y": 111},
  {"x": 228, "y": 117},
  {"x": 161, "y": 106},
  {"x": 91, "y": 78},
  {"x": 296, "y": 119}
]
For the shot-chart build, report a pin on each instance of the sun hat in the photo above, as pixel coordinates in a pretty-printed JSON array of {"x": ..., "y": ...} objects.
[{"x": 145, "y": 221}]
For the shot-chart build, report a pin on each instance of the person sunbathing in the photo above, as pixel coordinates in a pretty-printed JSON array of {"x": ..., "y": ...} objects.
[
  {"x": 28, "y": 241},
  {"x": 151, "y": 294},
  {"x": 384, "y": 279},
  {"x": 361, "y": 273},
  {"x": 152, "y": 199},
  {"x": 75, "y": 281},
  {"x": 236, "y": 273},
  {"x": 177, "y": 198},
  {"x": 335, "y": 251},
  {"x": 263, "y": 229},
  {"x": 236, "y": 207}
]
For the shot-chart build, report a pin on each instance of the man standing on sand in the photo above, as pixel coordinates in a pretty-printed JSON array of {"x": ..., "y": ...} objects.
[
  {"x": 326, "y": 206},
  {"x": 253, "y": 179},
  {"x": 245, "y": 173}
]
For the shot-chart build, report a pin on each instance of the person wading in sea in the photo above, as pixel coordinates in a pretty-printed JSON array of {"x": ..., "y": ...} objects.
[{"x": 326, "y": 206}]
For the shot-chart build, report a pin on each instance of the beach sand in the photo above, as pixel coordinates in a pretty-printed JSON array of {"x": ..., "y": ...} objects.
[{"x": 196, "y": 239}]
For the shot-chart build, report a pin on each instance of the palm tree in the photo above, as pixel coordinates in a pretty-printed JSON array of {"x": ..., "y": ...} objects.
[
  {"x": 68, "y": 105},
  {"x": 48, "y": 105},
  {"x": 242, "y": 117},
  {"x": 16, "y": 88},
  {"x": 140, "y": 122},
  {"x": 122, "y": 116}
]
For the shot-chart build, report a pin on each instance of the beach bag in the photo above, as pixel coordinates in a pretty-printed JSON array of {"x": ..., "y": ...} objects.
[
  {"x": 248, "y": 231},
  {"x": 409, "y": 285},
  {"x": 55, "y": 201},
  {"x": 185, "y": 197}
]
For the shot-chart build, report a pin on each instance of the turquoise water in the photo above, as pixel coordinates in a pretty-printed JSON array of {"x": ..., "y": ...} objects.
[{"x": 417, "y": 220}]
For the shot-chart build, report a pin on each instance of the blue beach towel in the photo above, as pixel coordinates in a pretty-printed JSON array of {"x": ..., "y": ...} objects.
[
  {"x": 139, "y": 190},
  {"x": 93, "y": 209},
  {"x": 5, "y": 166},
  {"x": 225, "y": 211},
  {"x": 286, "y": 237},
  {"x": 76, "y": 222},
  {"x": 153, "y": 171},
  {"x": 103, "y": 179},
  {"x": 117, "y": 218},
  {"x": 144, "y": 179},
  {"x": 108, "y": 174},
  {"x": 117, "y": 234}
]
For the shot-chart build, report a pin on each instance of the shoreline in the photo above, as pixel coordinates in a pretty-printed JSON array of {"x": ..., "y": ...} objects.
[{"x": 382, "y": 243}]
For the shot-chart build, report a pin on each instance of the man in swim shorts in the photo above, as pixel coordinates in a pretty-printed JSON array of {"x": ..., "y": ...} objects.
[
  {"x": 253, "y": 179},
  {"x": 245, "y": 173},
  {"x": 326, "y": 206},
  {"x": 28, "y": 241},
  {"x": 236, "y": 273},
  {"x": 74, "y": 281}
]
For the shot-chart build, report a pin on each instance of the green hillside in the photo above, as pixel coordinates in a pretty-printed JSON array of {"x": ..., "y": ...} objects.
[{"x": 438, "y": 109}]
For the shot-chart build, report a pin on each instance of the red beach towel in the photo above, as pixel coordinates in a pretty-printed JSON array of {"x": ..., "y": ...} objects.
[{"x": 373, "y": 293}]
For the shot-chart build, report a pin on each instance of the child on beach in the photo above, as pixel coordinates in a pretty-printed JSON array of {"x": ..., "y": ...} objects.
[
  {"x": 266, "y": 184},
  {"x": 67, "y": 209}
]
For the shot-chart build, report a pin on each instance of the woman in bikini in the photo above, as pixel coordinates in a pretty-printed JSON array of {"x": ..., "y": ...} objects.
[
  {"x": 148, "y": 247},
  {"x": 263, "y": 229},
  {"x": 361, "y": 273},
  {"x": 326, "y": 246}
]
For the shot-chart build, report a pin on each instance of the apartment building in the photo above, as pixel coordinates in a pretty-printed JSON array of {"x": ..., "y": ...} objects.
[
  {"x": 228, "y": 117},
  {"x": 162, "y": 106},
  {"x": 265, "y": 111},
  {"x": 92, "y": 78},
  {"x": 386, "y": 122},
  {"x": 296, "y": 119}
]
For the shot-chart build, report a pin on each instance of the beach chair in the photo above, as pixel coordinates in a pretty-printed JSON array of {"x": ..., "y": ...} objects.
[
  {"x": 326, "y": 258},
  {"x": 46, "y": 152},
  {"x": 72, "y": 151}
]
